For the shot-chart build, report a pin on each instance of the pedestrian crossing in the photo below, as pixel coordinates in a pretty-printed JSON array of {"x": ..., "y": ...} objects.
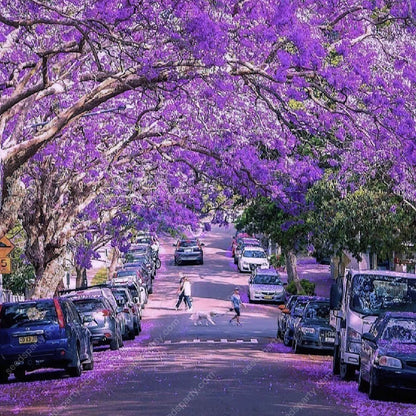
[{"x": 212, "y": 341}]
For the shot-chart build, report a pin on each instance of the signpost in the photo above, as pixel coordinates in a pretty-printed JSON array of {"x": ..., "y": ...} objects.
[{"x": 6, "y": 246}]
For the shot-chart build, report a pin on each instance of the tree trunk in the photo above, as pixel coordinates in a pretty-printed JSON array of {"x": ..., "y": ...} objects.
[
  {"x": 47, "y": 282},
  {"x": 292, "y": 271},
  {"x": 81, "y": 277},
  {"x": 114, "y": 260}
]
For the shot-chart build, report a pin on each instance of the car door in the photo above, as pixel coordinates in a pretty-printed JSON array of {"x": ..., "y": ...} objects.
[{"x": 76, "y": 328}]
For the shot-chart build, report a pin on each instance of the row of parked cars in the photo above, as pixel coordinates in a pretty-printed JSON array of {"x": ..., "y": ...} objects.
[
  {"x": 248, "y": 253},
  {"x": 61, "y": 332}
]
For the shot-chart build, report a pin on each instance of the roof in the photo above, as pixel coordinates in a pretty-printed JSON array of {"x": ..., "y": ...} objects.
[{"x": 269, "y": 271}]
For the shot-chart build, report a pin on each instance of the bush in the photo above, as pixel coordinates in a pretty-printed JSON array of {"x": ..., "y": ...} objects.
[
  {"x": 307, "y": 286},
  {"x": 277, "y": 261},
  {"x": 100, "y": 277}
]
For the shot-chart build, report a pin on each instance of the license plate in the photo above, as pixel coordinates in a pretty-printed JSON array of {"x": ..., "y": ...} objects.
[
  {"x": 330, "y": 340},
  {"x": 188, "y": 250},
  {"x": 267, "y": 297},
  {"x": 30, "y": 339}
]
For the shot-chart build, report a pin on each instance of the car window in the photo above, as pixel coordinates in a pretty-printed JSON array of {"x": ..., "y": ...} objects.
[
  {"x": 189, "y": 243},
  {"x": 88, "y": 305},
  {"x": 400, "y": 330},
  {"x": 317, "y": 311},
  {"x": 254, "y": 254},
  {"x": 267, "y": 279},
  {"x": 15, "y": 315}
]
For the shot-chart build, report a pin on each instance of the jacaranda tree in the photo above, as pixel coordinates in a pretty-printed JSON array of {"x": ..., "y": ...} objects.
[{"x": 259, "y": 97}]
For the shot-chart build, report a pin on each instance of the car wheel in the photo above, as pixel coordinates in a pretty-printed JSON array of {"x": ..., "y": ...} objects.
[
  {"x": 286, "y": 340},
  {"x": 19, "y": 374},
  {"x": 201, "y": 262},
  {"x": 114, "y": 344},
  {"x": 90, "y": 364},
  {"x": 4, "y": 377},
  {"x": 235, "y": 261},
  {"x": 136, "y": 329},
  {"x": 150, "y": 290},
  {"x": 362, "y": 384},
  {"x": 158, "y": 263},
  {"x": 120, "y": 341},
  {"x": 296, "y": 347},
  {"x": 346, "y": 371},
  {"x": 373, "y": 390},
  {"x": 76, "y": 369},
  {"x": 278, "y": 333},
  {"x": 336, "y": 360},
  {"x": 132, "y": 334}
]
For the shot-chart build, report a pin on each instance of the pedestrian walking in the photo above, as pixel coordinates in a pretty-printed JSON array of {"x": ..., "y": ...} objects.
[
  {"x": 187, "y": 293},
  {"x": 180, "y": 291},
  {"x": 236, "y": 303}
]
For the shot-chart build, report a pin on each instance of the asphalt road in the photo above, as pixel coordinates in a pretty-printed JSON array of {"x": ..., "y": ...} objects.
[{"x": 177, "y": 368}]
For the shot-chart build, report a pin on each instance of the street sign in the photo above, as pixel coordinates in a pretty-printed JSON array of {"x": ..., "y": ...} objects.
[
  {"x": 5, "y": 265},
  {"x": 6, "y": 246}
]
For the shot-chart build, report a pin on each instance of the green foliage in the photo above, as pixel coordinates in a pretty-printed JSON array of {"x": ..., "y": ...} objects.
[
  {"x": 264, "y": 216},
  {"x": 22, "y": 273},
  {"x": 100, "y": 277},
  {"x": 307, "y": 286},
  {"x": 359, "y": 220},
  {"x": 277, "y": 261}
]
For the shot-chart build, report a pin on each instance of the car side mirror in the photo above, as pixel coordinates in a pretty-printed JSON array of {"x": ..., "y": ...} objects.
[
  {"x": 367, "y": 336},
  {"x": 335, "y": 299}
]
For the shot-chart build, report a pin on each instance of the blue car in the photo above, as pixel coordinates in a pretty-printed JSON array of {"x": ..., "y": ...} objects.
[
  {"x": 388, "y": 354},
  {"x": 43, "y": 333}
]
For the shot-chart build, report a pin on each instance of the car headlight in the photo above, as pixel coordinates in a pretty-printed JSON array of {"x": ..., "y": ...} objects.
[
  {"x": 307, "y": 331},
  {"x": 353, "y": 341},
  {"x": 245, "y": 263},
  {"x": 386, "y": 361}
]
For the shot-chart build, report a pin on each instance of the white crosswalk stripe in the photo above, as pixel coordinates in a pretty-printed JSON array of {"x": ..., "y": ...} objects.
[{"x": 213, "y": 341}]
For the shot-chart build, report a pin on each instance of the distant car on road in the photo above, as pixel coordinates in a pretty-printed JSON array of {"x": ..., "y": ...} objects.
[
  {"x": 388, "y": 354},
  {"x": 43, "y": 333},
  {"x": 313, "y": 331},
  {"x": 265, "y": 285},
  {"x": 252, "y": 257},
  {"x": 243, "y": 242},
  {"x": 188, "y": 250}
]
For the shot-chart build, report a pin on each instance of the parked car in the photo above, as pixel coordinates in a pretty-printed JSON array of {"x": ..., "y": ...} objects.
[
  {"x": 142, "y": 267},
  {"x": 100, "y": 318},
  {"x": 236, "y": 237},
  {"x": 313, "y": 330},
  {"x": 130, "y": 310},
  {"x": 152, "y": 241},
  {"x": 138, "y": 290},
  {"x": 43, "y": 333},
  {"x": 252, "y": 257},
  {"x": 388, "y": 354},
  {"x": 188, "y": 250},
  {"x": 292, "y": 317},
  {"x": 265, "y": 285},
  {"x": 283, "y": 316},
  {"x": 243, "y": 242},
  {"x": 102, "y": 291}
]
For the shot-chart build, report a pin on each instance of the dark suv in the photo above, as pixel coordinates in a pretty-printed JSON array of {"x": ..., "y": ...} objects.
[
  {"x": 188, "y": 250},
  {"x": 43, "y": 333}
]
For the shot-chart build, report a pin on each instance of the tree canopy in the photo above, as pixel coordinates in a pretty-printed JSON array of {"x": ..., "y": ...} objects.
[{"x": 165, "y": 107}]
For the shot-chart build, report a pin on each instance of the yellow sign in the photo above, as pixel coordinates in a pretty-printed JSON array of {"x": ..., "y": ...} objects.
[
  {"x": 5, "y": 265},
  {"x": 6, "y": 246}
]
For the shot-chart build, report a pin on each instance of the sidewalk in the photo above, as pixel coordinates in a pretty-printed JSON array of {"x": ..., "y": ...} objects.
[{"x": 309, "y": 269}]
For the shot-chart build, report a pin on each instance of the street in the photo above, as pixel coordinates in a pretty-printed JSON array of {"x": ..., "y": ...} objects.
[{"x": 175, "y": 367}]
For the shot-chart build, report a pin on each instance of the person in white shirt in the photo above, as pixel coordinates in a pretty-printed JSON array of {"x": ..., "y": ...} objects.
[{"x": 187, "y": 293}]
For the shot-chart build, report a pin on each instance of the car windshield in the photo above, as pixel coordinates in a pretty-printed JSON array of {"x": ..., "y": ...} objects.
[
  {"x": 259, "y": 254},
  {"x": 88, "y": 305},
  {"x": 299, "y": 307},
  {"x": 267, "y": 279},
  {"x": 28, "y": 313},
  {"x": 190, "y": 243},
  {"x": 374, "y": 294},
  {"x": 400, "y": 330},
  {"x": 120, "y": 294},
  {"x": 126, "y": 273},
  {"x": 317, "y": 311}
]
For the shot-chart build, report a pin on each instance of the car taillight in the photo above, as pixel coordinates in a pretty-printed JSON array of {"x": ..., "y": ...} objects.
[
  {"x": 59, "y": 313},
  {"x": 105, "y": 312}
]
